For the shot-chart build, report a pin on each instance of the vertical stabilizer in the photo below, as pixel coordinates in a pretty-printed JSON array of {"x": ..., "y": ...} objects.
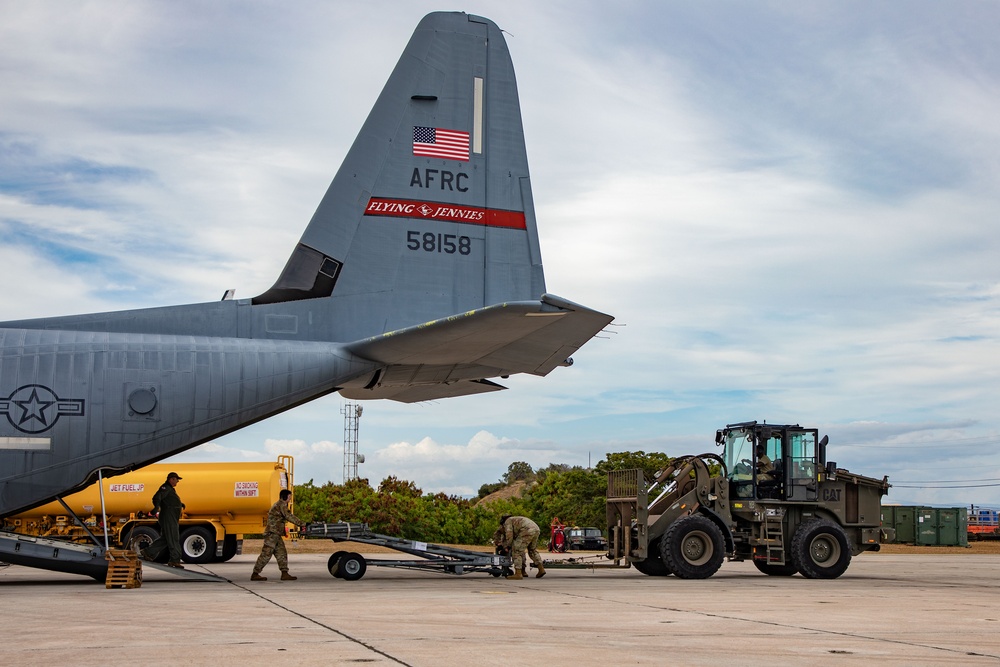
[{"x": 431, "y": 212}]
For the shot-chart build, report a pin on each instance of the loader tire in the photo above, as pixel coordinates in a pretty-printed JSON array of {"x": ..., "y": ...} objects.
[
  {"x": 820, "y": 550},
  {"x": 775, "y": 570},
  {"x": 653, "y": 566},
  {"x": 693, "y": 547}
]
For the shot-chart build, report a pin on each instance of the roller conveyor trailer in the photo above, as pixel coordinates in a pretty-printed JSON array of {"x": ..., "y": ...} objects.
[{"x": 433, "y": 557}]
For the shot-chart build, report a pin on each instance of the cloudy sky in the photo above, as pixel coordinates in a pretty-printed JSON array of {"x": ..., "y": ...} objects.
[{"x": 791, "y": 209}]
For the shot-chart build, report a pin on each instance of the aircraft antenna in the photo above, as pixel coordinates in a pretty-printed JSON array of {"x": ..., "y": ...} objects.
[{"x": 352, "y": 415}]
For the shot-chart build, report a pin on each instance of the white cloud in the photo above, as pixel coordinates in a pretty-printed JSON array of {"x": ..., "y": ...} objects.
[
  {"x": 432, "y": 465},
  {"x": 300, "y": 450}
]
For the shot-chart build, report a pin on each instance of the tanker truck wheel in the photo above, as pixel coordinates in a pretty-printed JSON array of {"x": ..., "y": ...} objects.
[
  {"x": 229, "y": 548},
  {"x": 139, "y": 538},
  {"x": 820, "y": 550},
  {"x": 197, "y": 545},
  {"x": 693, "y": 547}
]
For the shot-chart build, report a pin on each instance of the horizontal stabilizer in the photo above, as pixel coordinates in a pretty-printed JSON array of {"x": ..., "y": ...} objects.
[
  {"x": 426, "y": 392},
  {"x": 522, "y": 337}
]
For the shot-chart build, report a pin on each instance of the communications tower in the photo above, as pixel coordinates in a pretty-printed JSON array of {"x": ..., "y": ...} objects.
[{"x": 352, "y": 415}]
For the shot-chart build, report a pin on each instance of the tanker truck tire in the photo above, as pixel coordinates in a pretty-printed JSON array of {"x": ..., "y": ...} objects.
[
  {"x": 139, "y": 538},
  {"x": 820, "y": 550},
  {"x": 229, "y": 548},
  {"x": 693, "y": 547},
  {"x": 197, "y": 545}
]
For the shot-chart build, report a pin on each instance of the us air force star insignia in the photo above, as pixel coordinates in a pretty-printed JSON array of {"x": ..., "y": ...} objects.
[{"x": 35, "y": 408}]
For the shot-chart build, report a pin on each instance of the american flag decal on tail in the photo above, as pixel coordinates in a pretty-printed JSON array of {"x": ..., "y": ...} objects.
[{"x": 438, "y": 142}]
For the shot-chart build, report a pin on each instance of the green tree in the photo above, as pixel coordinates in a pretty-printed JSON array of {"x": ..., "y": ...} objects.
[
  {"x": 309, "y": 503},
  {"x": 576, "y": 496},
  {"x": 649, "y": 463},
  {"x": 518, "y": 471},
  {"x": 487, "y": 489},
  {"x": 396, "y": 509}
]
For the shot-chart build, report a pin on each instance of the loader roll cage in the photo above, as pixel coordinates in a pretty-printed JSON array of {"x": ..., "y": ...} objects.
[{"x": 797, "y": 454}]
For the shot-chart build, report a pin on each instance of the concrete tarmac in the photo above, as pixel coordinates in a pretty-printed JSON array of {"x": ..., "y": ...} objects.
[{"x": 887, "y": 609}]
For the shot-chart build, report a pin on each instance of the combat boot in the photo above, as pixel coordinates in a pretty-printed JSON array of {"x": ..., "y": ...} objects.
[
  {"x": 176, "y": 564},
  {"x": 541, "y": 572},
  {"x": 257, "y": 577},
  {"x": 515, "y": 576},
  {"x": 524, "y": 572},
  {"x": 287, "y": 577}
]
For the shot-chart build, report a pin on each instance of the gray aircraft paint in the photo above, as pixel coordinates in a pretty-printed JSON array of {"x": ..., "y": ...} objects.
[{"x": 418, "y": 277}]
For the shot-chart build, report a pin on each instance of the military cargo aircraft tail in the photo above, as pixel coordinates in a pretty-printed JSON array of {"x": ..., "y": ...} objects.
[
  {"x": 431, "y": 212},
  {"x": 418, "y": 277}
]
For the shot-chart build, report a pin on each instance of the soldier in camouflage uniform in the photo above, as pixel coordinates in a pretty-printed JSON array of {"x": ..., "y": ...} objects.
[
  {"x": 502, "y": 549},
  {"x": 520, "y": 534},
  {"x": 277, "y": 517}
]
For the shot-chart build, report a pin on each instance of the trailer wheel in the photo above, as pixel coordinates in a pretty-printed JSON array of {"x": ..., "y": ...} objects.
[
  {"x": 197, "y": 545},
  {"x": 820, "y": 550},
  {"x": 352, "y": 566},
  {"x": 693, "y": 547},
  {"x": 139, "y": 538},
  {"x": 653, "y": 566},
  {"x": 775, "y": 570},
  {"x": 333, "y": 563}
]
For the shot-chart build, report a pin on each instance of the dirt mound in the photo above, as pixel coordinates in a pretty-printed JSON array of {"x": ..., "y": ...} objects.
[{"x": 515, "y": 490}]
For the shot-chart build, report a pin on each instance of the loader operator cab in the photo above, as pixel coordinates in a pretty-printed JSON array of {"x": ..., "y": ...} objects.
[{"x": 797, "y": 456}]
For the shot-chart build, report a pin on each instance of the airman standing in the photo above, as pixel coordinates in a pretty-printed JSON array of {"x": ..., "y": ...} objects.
[{"x": 168, "y": 506}]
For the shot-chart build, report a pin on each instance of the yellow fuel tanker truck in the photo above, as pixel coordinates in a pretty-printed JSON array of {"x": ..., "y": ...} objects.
[{"x": 223, "y": 501}]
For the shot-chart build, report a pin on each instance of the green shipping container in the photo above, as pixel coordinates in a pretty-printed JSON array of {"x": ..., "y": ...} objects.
[
  {"x": 904, "y": 519},
  {"x": 943, "y": 526},
  {"x": 928, "y": 526},
  {"x": 889, "y": 516}
]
